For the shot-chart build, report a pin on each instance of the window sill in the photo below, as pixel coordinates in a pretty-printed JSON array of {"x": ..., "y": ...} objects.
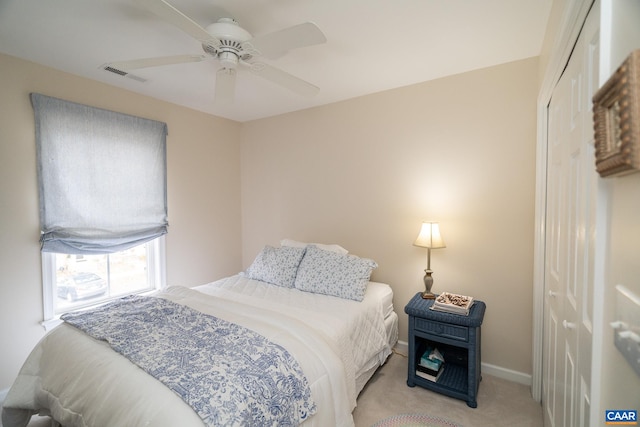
[{"x": 50, "y": 324}]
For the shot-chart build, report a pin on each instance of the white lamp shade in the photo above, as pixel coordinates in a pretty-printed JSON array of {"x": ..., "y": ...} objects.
[{"x": 429, "y": 236}]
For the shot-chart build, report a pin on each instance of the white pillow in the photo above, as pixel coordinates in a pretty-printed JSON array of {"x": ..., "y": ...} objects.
[
  {"x": 277, "y": 266},
  {"x": 332, "y": 248},
  {"x": 330, "y": 273}
]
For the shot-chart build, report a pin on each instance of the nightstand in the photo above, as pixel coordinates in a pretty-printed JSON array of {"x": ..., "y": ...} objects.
[{"x": 458, "y": 339}]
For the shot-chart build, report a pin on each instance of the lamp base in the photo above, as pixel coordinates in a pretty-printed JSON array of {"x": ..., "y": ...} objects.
[
  {"x": 428, "y": 295},
  {"x": 428, "y": 283}
]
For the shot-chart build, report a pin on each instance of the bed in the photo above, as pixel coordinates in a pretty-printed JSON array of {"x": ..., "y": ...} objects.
[{"x": 295, "y": 298}]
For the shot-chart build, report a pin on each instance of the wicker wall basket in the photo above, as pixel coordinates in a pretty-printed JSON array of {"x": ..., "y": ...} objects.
[{"x": 616, "y": 114}]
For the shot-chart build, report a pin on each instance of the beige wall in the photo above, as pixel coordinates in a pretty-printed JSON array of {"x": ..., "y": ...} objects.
[
  {"x": 203, "y": 192},
  {"x": 365, "y": 173}
]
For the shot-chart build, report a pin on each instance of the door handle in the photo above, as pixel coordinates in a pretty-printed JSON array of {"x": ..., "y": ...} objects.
[
  {"x": 568, "y": 325},
  {"x": 552, "y": 294}
]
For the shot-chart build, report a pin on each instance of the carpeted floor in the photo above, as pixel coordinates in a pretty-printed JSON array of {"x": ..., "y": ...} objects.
[
  {"x": 501, "y": 403},
  {"x": 415, "y": 420}
]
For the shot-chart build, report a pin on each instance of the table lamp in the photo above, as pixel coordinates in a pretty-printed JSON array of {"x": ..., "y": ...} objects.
[{"x": 429, "y": 238}]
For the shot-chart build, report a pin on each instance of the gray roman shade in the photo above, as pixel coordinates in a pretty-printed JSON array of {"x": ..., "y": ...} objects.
[{"x": 102, "y": 178}]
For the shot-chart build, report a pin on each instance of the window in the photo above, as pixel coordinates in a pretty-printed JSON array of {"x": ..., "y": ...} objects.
[
  {"x": 103, "y": 205},
  {"x": 76, "y": 281}
]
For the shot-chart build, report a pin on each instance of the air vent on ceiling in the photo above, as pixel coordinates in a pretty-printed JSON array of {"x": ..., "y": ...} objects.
[
  {"x": 115, "y": 70},
  {"x": 123, "y": 73}
]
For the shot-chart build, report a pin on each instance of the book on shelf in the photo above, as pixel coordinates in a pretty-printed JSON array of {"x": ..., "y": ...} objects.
[
  {"x": 453, "y": 303},
  {"x": 428, "y": 371},
  {"x": 428, "y": 374}
]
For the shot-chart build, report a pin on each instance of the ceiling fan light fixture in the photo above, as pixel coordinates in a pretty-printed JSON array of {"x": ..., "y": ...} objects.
[
  {"x": 228, "y": 29},
  {"x": 228, "y": 60}
]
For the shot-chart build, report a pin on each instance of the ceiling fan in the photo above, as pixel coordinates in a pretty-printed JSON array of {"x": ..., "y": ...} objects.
[{"x": 232, "y": 46}]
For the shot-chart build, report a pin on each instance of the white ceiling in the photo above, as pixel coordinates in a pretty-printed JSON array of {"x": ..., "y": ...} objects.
[{"x": 372, "y": 45}]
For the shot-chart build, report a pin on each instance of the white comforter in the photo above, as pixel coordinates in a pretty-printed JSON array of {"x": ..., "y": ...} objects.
[{"x": 82, "y": 382}]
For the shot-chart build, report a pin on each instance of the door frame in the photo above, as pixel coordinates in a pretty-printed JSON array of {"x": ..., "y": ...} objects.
[{"x": 573, "y": 17}]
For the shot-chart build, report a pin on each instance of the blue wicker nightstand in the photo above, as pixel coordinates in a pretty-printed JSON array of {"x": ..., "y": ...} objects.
[{"x": 457, "y": 337}]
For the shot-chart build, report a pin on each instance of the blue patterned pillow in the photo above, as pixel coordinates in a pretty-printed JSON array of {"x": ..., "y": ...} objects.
[
  {"x": 331, "y": 273},
  {"x": 277, "y": 266}
]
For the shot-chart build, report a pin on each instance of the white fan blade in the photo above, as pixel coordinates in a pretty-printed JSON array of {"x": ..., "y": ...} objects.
[
  {"x": 173, "y": 16},
  {"x": 275, "y": 44},
  {"x": 283, "y": 79},
  {"x": 225, "y": 86},
  {"x": 155, "y": 62}
]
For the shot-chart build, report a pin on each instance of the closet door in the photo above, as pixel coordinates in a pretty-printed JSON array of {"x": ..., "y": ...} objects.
[
  {"x": 554, "y": 386},
  {"x": 571, "y": 191}
]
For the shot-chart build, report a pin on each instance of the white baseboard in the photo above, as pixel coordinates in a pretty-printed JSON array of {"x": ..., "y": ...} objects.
[
  {"x": 507, "y": 374},
  {"x": 402, "y": 347}
]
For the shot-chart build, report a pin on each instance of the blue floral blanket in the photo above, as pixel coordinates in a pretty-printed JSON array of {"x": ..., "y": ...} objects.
[{"x": 230, "y": 375}]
